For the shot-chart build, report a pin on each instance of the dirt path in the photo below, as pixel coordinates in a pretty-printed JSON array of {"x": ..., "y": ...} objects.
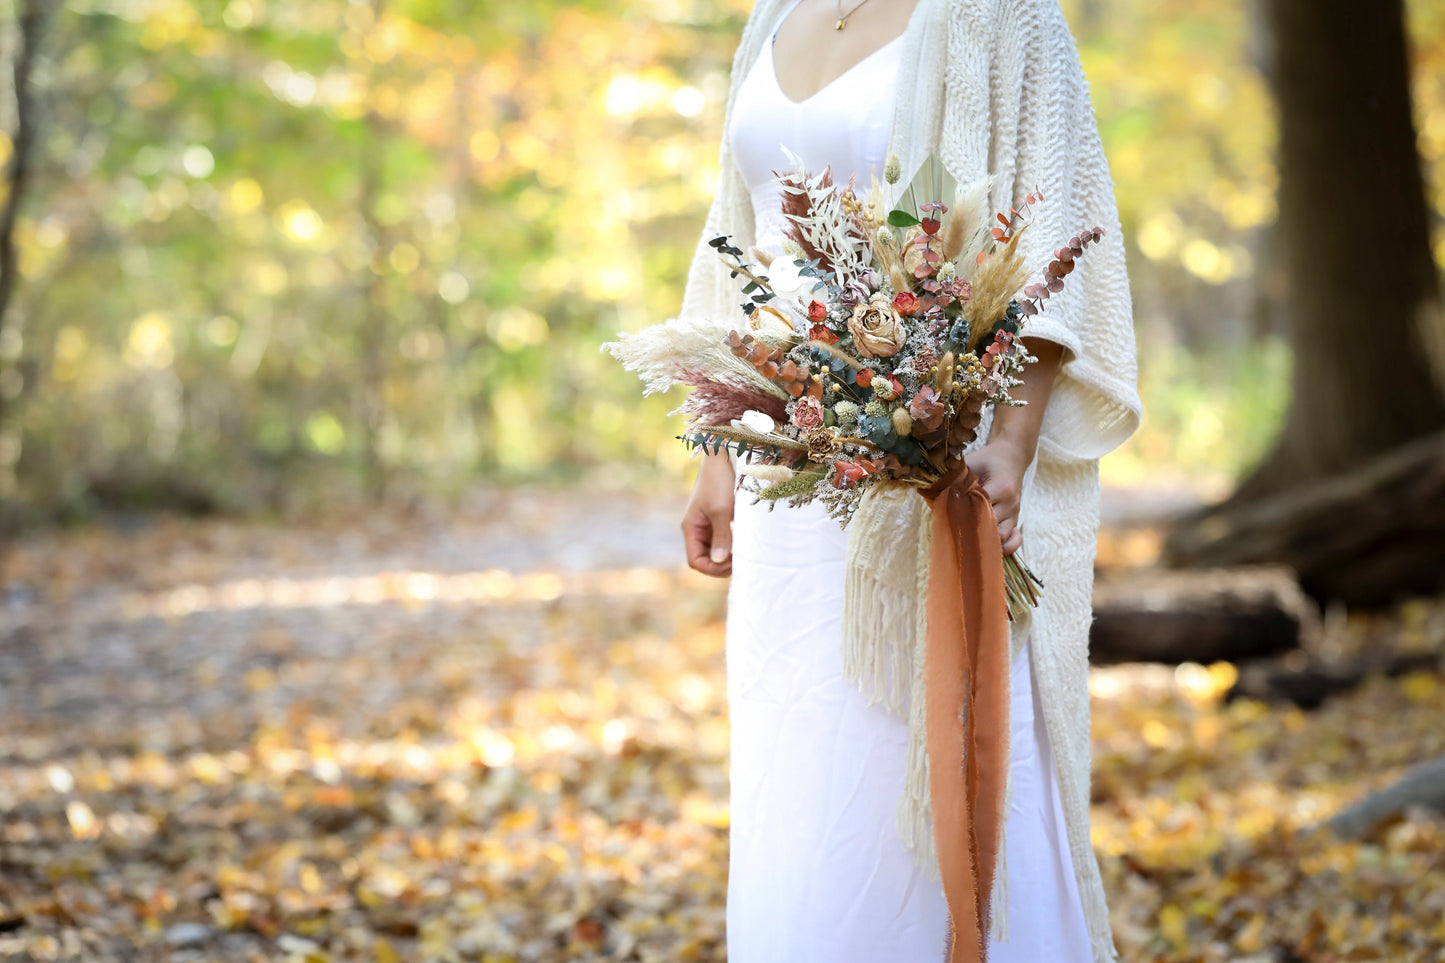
[{"x": 503, "y": 736}]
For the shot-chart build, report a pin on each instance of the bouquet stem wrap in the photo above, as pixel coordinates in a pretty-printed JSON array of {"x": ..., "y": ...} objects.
[{"x": 967, "y": 700}]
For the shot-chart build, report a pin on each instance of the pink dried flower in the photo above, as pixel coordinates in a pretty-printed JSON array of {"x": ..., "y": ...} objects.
[
  {"x": 927, "y": 407},
  {"x": 808, "y": 414}
]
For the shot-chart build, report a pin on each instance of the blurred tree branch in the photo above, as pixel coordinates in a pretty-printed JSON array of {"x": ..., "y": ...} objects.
[{"x": 1422, "y": 786}]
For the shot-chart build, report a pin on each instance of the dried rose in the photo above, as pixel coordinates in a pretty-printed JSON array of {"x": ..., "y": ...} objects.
[
  {"x": 822, "y": 443},
  {"x": 808, "y": 414},
  {"x": 817, "y": 311},
  {"x": 821, "y": 332},
  {"x": 905, "y": 303},
  {"x": 876, "y": 328},
  {"x": 854, "y": 293},
  {"x": 864, "y": 377}
]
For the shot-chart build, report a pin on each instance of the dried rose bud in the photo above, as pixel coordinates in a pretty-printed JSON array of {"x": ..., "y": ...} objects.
[{"x": 821, "y": 332}]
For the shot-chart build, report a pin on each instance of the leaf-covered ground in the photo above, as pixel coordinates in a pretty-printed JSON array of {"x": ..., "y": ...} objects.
[{"x": 504, "y": 737}]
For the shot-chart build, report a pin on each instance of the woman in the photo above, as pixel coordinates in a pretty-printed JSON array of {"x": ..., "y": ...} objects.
[{"x": 818, "y": 870}]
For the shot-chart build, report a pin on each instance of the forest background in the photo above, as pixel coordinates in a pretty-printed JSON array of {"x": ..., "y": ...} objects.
[
  {"x": 263, "y": 266},
  {"x": 429, "y": 680}
]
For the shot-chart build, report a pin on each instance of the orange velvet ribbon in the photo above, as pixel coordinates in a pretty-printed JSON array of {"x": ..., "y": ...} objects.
[{"x": 966, "y": 691}]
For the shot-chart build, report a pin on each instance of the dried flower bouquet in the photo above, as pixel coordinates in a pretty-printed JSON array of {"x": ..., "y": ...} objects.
[{"x": 869, "y": 347}]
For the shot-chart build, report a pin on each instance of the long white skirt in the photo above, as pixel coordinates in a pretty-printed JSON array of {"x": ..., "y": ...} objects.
[{"x": 817, "y": 871}]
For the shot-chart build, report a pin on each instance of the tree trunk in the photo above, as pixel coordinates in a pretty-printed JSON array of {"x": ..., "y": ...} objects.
[
  {"x": 375, "y": 341},
  {"x": 1363, "y": 302},
  {"x": 32, "y": 24},
  {"x": 1364, "y": 298}
]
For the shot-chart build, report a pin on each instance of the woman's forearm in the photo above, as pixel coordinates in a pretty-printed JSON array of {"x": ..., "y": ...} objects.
[{"x": 1019, "y": 426}]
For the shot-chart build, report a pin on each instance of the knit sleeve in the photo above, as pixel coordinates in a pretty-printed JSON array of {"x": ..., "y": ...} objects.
[
  {"x": 1054, "y": 147},
  {"x": 709, "y": 288}
]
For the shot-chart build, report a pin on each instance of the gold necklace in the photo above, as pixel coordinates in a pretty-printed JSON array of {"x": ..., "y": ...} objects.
[{"x": 843, "y": 17}]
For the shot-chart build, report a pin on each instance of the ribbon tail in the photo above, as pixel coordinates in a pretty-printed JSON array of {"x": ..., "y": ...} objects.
[{"x": 966, "y": 697}]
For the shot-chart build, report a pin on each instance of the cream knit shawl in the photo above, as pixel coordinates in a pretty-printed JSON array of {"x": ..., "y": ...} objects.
[{"x": 992, "y": 87}]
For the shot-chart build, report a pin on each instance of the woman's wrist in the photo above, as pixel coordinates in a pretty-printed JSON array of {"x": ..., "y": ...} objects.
[
  {"x": 1019, "y": 444},
  {"x": 1016, "y": 428}
]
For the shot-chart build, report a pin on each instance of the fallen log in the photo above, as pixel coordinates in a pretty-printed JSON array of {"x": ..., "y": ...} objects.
[
  {"x": 1308, "y": 682},
  {"x": 1366, "y": 538},
  {"x": 1199, "y": 616}
]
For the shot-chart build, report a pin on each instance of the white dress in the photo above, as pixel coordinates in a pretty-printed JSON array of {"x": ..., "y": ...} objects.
[{"x": 817, "y": 870}]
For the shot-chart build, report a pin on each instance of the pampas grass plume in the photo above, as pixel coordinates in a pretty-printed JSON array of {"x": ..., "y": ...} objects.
[{"x": 996, "y": 282}]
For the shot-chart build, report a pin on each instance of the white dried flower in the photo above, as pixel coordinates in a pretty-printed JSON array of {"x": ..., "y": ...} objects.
[
  {"x": 758, "y": 421},
  {"x": 947, "y": 271},
  {"x": 885, "y": 235},
  {"x": 892, "y": 169},
  {"x": 789, "y": 282}
]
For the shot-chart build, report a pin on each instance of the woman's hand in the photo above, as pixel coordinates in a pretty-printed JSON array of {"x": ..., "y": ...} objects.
[
  {"x": 707, "y": 525},
  {"x": 1000, "y": 467}
]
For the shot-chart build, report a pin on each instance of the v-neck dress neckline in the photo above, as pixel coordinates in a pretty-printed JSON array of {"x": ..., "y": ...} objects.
[
  {"x": 844, "y": 125},
  {"x": 770, "y": 55}
]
